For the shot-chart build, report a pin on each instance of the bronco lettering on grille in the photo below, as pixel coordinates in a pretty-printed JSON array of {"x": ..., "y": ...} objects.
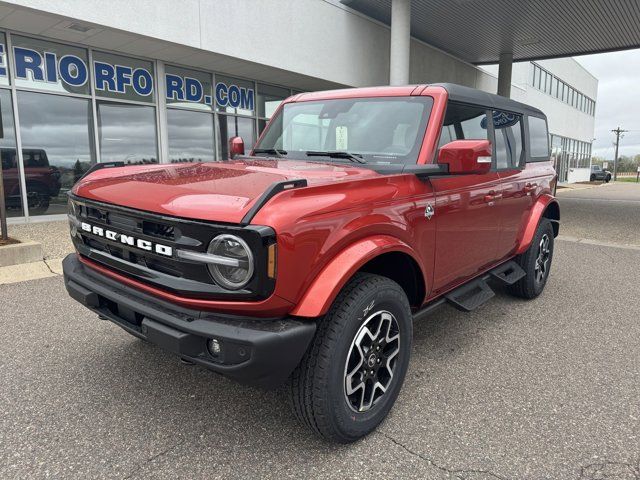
[{"x": 158, "y": 248}]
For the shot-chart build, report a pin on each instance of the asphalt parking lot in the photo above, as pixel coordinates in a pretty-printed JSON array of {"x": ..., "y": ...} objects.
[{"x": 548, "y": 389}]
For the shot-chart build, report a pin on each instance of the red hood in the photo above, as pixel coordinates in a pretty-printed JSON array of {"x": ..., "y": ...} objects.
[{"x": 221, "y": 191}]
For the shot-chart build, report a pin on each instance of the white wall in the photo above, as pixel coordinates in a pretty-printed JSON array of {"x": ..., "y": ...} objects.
[
  {"x": 563, "y": 118},
  {"x": 316, "y": 38},
  {"x": 578, "y": 175}
]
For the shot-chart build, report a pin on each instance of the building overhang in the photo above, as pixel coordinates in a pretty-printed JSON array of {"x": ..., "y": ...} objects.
[{"x": 478, "y": 31}]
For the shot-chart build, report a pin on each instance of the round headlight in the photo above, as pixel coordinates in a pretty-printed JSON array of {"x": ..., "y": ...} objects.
[{"x": 235, "y": 266}]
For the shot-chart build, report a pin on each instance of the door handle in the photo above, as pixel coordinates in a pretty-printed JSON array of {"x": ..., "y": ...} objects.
[{"x": 530, "y": 187}]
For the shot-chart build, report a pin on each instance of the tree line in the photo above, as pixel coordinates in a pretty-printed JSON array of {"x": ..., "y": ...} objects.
[{"x": 625, "y": 163}]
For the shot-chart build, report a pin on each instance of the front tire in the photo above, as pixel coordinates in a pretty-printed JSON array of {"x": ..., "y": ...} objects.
[
  {"x": 608, "y": 179},
  {"x": 352, "y": 373},
  {"x": 592, "y": 178},
  {"x": 536, "y": 262}
]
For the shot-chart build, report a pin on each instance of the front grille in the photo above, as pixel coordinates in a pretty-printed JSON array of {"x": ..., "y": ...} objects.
[{"x": 187, "y": 278}]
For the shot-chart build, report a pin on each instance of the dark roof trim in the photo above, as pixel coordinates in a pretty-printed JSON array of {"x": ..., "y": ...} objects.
[{"x": 458, "y": 93}]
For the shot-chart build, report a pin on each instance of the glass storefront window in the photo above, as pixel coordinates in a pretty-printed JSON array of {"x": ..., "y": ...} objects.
[
  {"x": 234, "y": 95},
  {"x": 10, "y": 170},
  {"x": 50, "y": 66},
  {"x": 123, "y": 78},
  {"x": 232, "y": 126},
  {"x": 269, "y": 98},
  {"x": 190, "y": 136},
  {"x": 56, "y": 147},
  {"x": 4, "y": 62},
  {"x": 262, "y": 124},
  {"x": 55, "y": 97},
  {"x": 188, "y": 88},
  {"x": 127, "y": 133}
]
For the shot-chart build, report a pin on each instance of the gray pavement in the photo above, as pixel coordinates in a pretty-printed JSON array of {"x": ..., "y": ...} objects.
[
  {"x": 547, "y": 389},
  {"x": 54, "y": 236},
  {"x": 609, "y": 213}
]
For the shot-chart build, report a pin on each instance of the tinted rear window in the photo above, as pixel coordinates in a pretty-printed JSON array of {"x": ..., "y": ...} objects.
[{"x": 538, "y": 138}]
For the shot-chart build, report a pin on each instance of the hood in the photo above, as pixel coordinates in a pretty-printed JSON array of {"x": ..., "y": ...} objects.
[{"x": 219, "y": 191}]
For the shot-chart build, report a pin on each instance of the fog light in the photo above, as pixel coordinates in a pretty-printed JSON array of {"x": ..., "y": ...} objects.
[{"x": 214, "y": 347}]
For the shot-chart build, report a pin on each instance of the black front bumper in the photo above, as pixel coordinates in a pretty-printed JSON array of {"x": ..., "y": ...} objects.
[{"x": 260, "y": 352}]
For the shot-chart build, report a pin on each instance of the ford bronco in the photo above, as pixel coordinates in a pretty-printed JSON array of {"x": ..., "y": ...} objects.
[{"x": 305, "y": 262}]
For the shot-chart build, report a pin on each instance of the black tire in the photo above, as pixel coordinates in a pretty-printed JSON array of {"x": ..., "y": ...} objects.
[
  {"x": 608, "y": 179},
  {"x": 592, "y": 178},
  {"x": 317, "y": 387},
  {"x": 38, "y": 199},
  {"x": 533, "y": 283}
]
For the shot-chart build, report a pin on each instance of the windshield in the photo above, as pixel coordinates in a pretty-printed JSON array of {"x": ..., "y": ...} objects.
[{"x": 381, "y": 130}]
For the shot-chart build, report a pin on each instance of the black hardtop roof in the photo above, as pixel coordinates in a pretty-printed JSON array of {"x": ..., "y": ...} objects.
[{"x": 458, "y": 93}]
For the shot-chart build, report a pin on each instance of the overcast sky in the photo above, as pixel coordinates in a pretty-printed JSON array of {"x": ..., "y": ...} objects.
[{"x": 618, "y": 102}]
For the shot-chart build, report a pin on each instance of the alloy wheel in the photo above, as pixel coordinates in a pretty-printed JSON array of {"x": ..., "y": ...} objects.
[
  {"x": 542, "y": 260},
  {"x": 371, "y": 361}
]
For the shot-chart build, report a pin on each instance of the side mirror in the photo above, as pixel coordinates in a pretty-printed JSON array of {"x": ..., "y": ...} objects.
[
  {"x": 466, "y": 156},
  {"x": 236, "y": 147}
]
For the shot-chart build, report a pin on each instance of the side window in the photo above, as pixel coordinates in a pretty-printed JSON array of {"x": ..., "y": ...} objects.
[
  {"x": 538, "y": 138},
  {"x": 508, "y": 135},
  {"x": 464, "y": 122}
]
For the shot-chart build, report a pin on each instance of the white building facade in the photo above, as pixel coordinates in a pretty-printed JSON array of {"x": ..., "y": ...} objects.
[{"x": 170, "y": 81}]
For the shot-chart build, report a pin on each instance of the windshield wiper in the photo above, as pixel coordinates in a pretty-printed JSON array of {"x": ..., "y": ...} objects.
[
  {"x": 271, "y": 151},
  {"x": 354, "y": 157}
]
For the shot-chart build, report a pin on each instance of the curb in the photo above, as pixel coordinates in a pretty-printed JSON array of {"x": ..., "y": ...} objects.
[
  {"x": 31, "y": 271},
  {"x": 25, "y": 251}
]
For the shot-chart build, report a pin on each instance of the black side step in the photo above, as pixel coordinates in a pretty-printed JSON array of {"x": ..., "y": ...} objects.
[
  {"x": 508, "y": 273},
  {"x": 470, "y": 296}
]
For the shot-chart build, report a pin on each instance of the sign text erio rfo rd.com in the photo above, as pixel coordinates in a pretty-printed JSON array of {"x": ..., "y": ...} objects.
[{"x": 72, "y": 70}]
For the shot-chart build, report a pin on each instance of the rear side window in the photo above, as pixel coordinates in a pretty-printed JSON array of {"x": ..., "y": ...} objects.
[
  {"x": 464, "y": 122},
  {"x": 508, "y": 133},
  {"x": 538, "y": 138}
]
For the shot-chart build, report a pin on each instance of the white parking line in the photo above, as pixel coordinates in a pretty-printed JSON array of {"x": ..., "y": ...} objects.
[{"x": 588, "y": 241}]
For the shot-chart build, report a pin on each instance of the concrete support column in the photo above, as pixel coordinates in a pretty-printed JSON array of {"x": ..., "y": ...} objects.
[
  {"x": 400, "y": 42},
  {"x": 504, "y": 74}
]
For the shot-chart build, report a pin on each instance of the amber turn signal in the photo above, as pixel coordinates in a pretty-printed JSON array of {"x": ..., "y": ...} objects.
[{"x": 271, "y": 261}]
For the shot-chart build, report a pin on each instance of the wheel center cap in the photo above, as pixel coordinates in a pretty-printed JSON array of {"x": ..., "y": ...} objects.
[{"x": 371, "y": 361}]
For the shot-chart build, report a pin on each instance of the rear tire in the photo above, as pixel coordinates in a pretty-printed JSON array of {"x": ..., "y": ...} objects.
[
  {"x": 608, "y": 179},
  {"x": 353, "y": 371},
  {"x": 592, "y": 178},
  {"x": 38, "y": 199},
  {"x": 536, "y": 262}
]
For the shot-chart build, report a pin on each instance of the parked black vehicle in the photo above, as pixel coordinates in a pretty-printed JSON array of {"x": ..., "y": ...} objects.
[{"x": 599, "y": 173}]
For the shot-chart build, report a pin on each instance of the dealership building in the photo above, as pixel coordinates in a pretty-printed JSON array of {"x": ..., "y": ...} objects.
[{"x": 145, "y": 81}]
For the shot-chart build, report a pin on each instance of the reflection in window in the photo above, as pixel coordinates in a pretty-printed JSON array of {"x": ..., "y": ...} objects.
[
  {"x": 463, "y": 123},
  {"x": 269, "y": 98},
  {"x": 4, "y": 62},
  {"x": 230, "y": 126},
  {"x": 56, "y": 147},
  {"x": 190, "y": 136},
  {"x": 538, "y": 137},
  {"x": 127, "y": 133},
  {"x": 10, "y": 170},
  {"x": 508, "y": 134}
]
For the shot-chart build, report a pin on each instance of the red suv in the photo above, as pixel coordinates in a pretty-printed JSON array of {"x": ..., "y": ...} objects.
[{"x": 307, "y": 260}]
